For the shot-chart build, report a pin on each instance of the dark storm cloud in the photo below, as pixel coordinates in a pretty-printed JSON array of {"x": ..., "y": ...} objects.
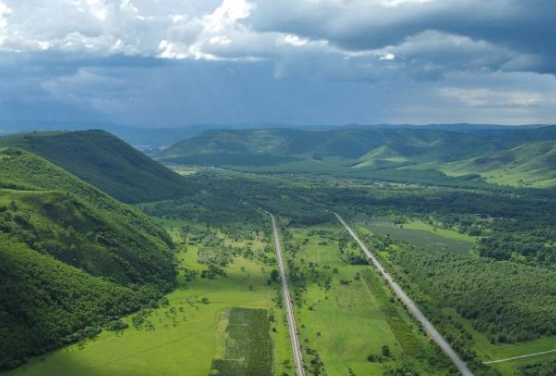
[{"x": 300, "y": 61}]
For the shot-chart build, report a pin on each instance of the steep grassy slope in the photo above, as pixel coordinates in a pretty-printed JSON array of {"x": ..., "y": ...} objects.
[
  {"x": 531, "y": 164},
  {"x": 93, "y": 231},
  {"x": 71, "y": 257},
  {"x": 104, "y": 161}
]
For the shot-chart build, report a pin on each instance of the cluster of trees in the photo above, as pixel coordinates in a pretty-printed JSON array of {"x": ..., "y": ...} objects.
[
  {"x": 512, "y": 222},
  {"x": 538, "y": 369},
  {"x": 535, "y": 246},
  {"x": 506, "y": 301},
  {"x": 45, "y": 303}
]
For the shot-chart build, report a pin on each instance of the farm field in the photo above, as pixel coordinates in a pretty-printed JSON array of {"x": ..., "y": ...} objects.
[
  {"x": 349, "y": 323},
  {"x": 248, "y": 347},
  {"x": 423, "y": 235},
  {"x": 184, "y": 336}
]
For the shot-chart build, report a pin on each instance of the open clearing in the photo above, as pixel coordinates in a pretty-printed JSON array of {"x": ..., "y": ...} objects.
[
  {"x": 181, "y": 338},
  {"x": 423, "y": 235}
]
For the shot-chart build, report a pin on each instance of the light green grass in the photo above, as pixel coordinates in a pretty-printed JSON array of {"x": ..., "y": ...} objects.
[
  {"x": 184, "y": 170},
  {"x": 349, "y": 322},
  {"x": 182, "y": 343}
]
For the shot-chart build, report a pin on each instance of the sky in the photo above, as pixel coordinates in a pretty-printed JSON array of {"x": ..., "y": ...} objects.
[{"x": 162, "y": 63}]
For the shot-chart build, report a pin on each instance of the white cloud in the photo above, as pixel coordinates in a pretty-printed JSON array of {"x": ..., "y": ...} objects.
[
  {"x": 387, "y": 56},
  {"x": 227, "y": 14},
  {"x": 396, "y": 3},
  {"x": 489, "y": 98},
  {"x": 294, "y": 40},
  {"x": 4, "y": 13}
]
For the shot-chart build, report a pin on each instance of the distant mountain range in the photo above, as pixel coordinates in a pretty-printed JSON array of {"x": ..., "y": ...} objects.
[
  {"x": 521, "y": 156},
  {"x": 155, "y": 138}
]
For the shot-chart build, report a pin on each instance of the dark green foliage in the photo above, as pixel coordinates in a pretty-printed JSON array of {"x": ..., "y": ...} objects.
[
  {"x": 72, "y": 259},
  {"x": 506, "y": 301},
  {"x": 235, "y": 203},
  {"x": 343, "y": 143},
  {"x": 538, "y": 369},
  {"x": 45, "y": 303},
  {"x": 535, "y": 245},
  {"x": 104, "y": 161},
  {"x": 248, "y": 347},
  {"x": 226, "y": 159},
  {"x": 403, "y": 370}
]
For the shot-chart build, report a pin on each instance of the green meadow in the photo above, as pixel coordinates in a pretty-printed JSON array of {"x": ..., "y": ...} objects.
[
  {"x": 348, "y": 318},
  {"x": 184, "y": 336}
]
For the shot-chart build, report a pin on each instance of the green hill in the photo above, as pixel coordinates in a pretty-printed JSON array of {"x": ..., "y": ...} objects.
[
  {"x": 512, "y": 157},
  {"x": 531, "y": 164},
  {"x": 71, "y": 257},
  {"x": 104, "y": 161},
  {"x": 351, "y": 144}
]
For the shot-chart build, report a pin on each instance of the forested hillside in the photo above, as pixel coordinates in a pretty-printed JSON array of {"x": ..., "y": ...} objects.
[
  {"x": 522, "y": 157},
  {"x": 104, "y": 161},
  {"x": 72, "y": 258},
  {"x": 343, "y": 143}
]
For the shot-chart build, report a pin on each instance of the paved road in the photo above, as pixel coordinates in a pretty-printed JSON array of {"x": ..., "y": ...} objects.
[
  {"x": 288, "y": 302},
  {"x": 520, "y": 357},
  {"x": 429, "y": 328}
]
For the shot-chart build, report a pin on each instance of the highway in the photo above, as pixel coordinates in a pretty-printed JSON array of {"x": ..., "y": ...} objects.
[
  {"x": 429, "y": 328},
  {"x": 297, "y": 356}
]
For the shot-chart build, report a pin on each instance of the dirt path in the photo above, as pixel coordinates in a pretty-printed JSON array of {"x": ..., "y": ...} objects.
[{"x": 520, "y": 357}]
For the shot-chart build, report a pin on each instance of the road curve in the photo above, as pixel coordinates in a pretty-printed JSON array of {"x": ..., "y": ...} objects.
[
  {"x": 298, "y": 359},
  {"x": 416, "y": 312}
]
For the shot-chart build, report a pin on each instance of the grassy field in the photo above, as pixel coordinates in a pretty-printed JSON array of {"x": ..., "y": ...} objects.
[
  {"x": 182, "y": 337},
  {"x": 423, "y": 235},
  {"x": 184, "y": 170},
  {"x": 346, "y": 313}
]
